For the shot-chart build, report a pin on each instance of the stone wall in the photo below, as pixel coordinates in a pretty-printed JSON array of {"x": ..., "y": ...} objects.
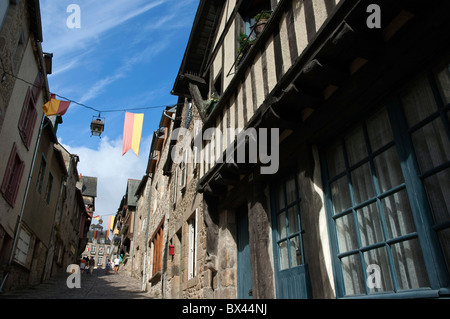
[
  {"x": 189, "y": 204},
  {"x": 14, "y": 23},
  {"x": 226, "y": 281}
]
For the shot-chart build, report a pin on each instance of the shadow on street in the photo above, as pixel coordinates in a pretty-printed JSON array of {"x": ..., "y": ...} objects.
[{"x": 99, "y": 285}]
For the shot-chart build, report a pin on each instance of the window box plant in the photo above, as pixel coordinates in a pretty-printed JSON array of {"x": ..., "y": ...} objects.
[
  {"x": 260, "y": 21},
  {"x": 210, "y": 104},
  {"x": 244, "y": 44}
]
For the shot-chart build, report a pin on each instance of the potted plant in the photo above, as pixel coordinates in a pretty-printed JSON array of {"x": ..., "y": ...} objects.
[
  {"x": 210, "y": 103},
  {"x": 260, "y": 21},
  {"x": 244, "y": 44}
]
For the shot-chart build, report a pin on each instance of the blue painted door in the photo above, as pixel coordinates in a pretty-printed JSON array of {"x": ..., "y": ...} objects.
[
  {"x": 291, "y": 272},
  {"x": 243, "y": 257}
]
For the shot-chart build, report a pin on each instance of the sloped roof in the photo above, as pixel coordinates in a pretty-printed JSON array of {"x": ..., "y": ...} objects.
[
  {"x": 132, "y": 186},
  {"x": 200, "y": 43},
  {"x": 89, "y": 187},
  {"x": 35, "y": 19}
]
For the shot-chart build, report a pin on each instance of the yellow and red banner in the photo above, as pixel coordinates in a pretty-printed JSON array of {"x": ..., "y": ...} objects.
[
  {"x": 55, "y": 107},
  {"x": 111, "y": 222},
  {"x": 132, "y": 131}
]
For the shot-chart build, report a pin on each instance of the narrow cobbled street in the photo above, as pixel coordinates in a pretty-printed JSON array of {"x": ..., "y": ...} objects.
[{"x": 99, "y": 285}]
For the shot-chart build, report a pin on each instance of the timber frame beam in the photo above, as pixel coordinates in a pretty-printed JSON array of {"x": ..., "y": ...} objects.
[{"x": 342, "y": 63}]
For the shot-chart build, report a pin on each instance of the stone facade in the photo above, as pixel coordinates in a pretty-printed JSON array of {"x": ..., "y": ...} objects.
[
  {"x": 140, "y": 252},
  {"x": 22, "y": 57},
  {"x": 126, "y": 222},
  {"x": 73, "y": 220}
]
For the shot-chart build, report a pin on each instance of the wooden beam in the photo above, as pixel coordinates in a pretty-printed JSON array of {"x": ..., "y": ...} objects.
[
  {"x": 214, "y": 189},
  {"x": 198, "y": 99},
  {"x": 226, "y": 178},
  {"x": 194, "y": 78},
  {"x": 396, "y": 24}
]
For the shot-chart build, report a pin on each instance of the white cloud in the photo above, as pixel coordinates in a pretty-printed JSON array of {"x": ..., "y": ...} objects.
[
  {"x": 97, "y": 17},
  {"x": 79, "y": 47},
  {"x": 111, "y": 169}
]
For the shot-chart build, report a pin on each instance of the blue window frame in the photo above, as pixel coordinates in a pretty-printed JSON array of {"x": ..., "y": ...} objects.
[
  {"x": 388, "y": 195},
  {"x": 288, "y": 224},
  {"x": 292, "y": 279}
]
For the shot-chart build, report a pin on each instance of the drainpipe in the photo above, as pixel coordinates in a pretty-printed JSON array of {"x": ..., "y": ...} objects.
[
  {"x": 164, "y": 252},
  {"x": 19, "y": 223},
  {"x": 144, "y": 275}
]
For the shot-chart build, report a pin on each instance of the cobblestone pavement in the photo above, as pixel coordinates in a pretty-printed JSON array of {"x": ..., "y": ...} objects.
[{"x": 99, "y": 285}]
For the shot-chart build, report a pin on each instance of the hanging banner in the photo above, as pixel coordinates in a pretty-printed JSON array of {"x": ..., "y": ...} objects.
[
  {"x": 132, "y": 131},
  {"x": 111, "y": 222},
  {"x": 55, "y": 107}
]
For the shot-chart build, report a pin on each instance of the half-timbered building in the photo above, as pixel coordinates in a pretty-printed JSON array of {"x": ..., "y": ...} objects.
[{"x": 352, "y": 199}]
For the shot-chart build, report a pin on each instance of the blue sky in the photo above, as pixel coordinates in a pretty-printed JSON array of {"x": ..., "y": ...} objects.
[{"x": 125, "y": 54}]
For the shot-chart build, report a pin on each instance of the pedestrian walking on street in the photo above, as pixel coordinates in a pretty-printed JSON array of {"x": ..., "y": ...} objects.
[
  {"x": 108, "y": 266},
  {"x": 82, "y": 265},
  {"x": 116, "y": 264},
  {"x": 91, "y": 265}
]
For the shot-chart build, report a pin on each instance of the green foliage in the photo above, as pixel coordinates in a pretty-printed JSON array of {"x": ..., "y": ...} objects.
[{"x": 263, "y": 15}]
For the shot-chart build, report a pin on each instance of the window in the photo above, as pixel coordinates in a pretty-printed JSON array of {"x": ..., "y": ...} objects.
[
  {"x": 22, "y": 248},
  {"x": 59, "y": 252},
  {"x": 3, "y": 9},
  {"x": 192, "y": 254},
  {"x": 248, "y": 11},
  {"x": 41, "y": 174},
  {"x": 12, "y": 177},
  {"x": 157, "y": 242},
  {"x": 289, "y": 239},
  {"x": 250, "y": 25},
  {"x": 93, "y": 249},
  {"x": 218, "y": 87},
  {"x": 175, "y": 188},
  {"x": 29, "y": 113},
  {"x": 188, "y": 113},
  {"x": 380, "y": 196},
  {"x": 27, "y": 119},
  {"x": 48, "y": 192},
  {"x": 183, "y": 169}
]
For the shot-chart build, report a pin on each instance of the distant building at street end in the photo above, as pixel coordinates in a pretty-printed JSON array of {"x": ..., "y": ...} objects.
[{"x": 99, "y": 245}]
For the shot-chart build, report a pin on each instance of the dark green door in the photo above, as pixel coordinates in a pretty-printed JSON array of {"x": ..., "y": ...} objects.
[
  {"x": 291, "y": 271},
  {"x": 243, "y": 256}
]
